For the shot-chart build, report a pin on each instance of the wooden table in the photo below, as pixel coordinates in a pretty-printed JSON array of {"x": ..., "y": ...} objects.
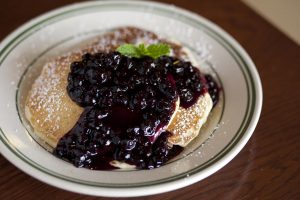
[{"x": 267, "y": 168}]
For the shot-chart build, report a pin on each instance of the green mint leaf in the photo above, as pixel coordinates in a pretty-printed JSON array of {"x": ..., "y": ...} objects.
[
  {"x": 129, "y": 50},
  {"x": 157, "y": 50},
  {"x": 142, "y": 49},
  {"x": 154, "y": 50}
]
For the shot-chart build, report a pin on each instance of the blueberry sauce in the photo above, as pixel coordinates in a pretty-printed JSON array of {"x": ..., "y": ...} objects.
[
  {"x": 213, "y": 88},
  {"x": 128, "y": 103}
]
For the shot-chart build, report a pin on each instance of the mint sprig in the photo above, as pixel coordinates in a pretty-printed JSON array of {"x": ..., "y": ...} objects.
[{"x": 153, "y": 50}]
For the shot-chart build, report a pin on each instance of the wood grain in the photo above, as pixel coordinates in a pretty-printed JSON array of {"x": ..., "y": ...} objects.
[{"x": 267, "y": 168}]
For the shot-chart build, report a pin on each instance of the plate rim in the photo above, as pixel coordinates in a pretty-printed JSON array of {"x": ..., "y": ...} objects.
[{"x": 153, "y": 189}]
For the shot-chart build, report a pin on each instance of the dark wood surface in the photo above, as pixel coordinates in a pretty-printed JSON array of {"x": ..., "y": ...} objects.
[{"x": 269, "y": 165}]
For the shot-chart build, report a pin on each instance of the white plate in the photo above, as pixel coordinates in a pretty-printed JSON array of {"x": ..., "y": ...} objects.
[{"x": 230, "y": 125}]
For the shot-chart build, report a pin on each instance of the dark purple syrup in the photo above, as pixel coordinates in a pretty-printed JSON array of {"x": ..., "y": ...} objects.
[
  {"x": 128, "y": 103},
  {"x": 213, "y": 88}
]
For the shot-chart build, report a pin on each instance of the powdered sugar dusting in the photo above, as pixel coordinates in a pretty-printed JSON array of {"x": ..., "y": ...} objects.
[
  {"x": 46, "y": 97},
  {"x": 188, "y": 121}
]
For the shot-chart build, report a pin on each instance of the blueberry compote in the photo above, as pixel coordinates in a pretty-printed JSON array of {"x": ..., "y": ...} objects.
[{"x": 128, "y": 103}]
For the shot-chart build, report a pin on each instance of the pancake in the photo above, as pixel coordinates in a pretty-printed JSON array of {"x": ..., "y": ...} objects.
[
  {"x": 52, "y": 113},
  {"x": 186, "y": 124}
]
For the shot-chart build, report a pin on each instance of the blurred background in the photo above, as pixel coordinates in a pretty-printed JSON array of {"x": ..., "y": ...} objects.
[{"x": 283, "y": 14}]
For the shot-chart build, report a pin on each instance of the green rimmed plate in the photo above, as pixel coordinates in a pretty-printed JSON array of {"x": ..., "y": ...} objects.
[{"x": 230, "y": 125}]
